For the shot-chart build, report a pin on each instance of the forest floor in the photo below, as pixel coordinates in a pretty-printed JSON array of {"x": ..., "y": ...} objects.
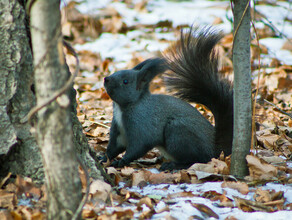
[{"x": 110, "y": 35}]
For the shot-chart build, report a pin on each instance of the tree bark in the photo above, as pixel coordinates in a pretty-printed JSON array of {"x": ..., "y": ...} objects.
[
  {"x": 54, "y": 126},
  {"x": 242, "y": 89},
  {"x": 18, "y": 149}
]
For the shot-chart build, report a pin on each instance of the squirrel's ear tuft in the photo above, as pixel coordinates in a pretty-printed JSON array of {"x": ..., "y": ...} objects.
[{"x": 148, "y": 69}]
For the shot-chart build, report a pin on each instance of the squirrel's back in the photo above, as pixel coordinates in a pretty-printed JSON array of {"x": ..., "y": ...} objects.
[{"x": 194, "y": 63}]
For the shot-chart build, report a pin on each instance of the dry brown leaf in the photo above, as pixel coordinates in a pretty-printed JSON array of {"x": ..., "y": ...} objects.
[
  {"x": 127, "y": 171},
  {"x": 89, "y": 61},
  {"x": 205, "y": 211},
  {"x": 231, "y": 217},
  {"x": 16, "y": 215},
  {"x": 113, "y": 25},
  {"x": 26, "y": 212},
  {"x": 82, "y": 176},
  {"x": 141, "y": 6},
  {"x": 214, "y": 166},
  {"x": 260, "y": 169},
  {"x": 27, "y": 187},
  {"x": 251, "y": 206},
  {"x": 180, "y": 195},
  {"x": 217, "y": 20},
  {"x": 147, "y": 214},
  {"x": 184, "y": 177},
  {"x": 265, "y": 196},
  {"x": 227, "y": 41},
  {"x": 169, "y": 217},
  {"x": 5, "y": 215},
  {"x": 269, "y": 140},
  {"x": 7, "y": 199},
  {"x": 99, "y": 190},
  {"x": 145, "y": 176},
  {"x": 215, "y": 196},
  {"x": 272, "y": 159},
  {"x": 107, "y": 217},
  {"x": 146, "y": 201},
  {"x": 138, "y": 177},
  {"x": 88, "y": 214},
  {"x": 201, "y": 167},
  {"x": 124, "y": 214},
  {"x": 239, "y": 186},
  {"x": 220, "y": 166}
]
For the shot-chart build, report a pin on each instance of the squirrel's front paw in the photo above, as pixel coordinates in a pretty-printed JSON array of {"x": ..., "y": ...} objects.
[
  {"x": 167, "y": 166},
  {"x": 118, "y": 163},
  {"x": 103, "y": 159}
]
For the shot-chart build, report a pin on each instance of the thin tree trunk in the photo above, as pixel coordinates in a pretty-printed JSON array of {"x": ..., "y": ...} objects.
[
  {"x": 242, "y": 88},
  {"x": 54, "y": 127}
]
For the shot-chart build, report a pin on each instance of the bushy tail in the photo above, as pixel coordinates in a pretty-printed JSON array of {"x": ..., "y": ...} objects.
[{"x": 194, "y": 63}]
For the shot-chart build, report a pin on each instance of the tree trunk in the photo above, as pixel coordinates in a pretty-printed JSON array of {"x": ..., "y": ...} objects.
[
  {"x": 18, "y": 148},
  {"x": 242, "y": 89},
  {"x": 54, "y": 127},
  {"x": 19, "y": 152}
]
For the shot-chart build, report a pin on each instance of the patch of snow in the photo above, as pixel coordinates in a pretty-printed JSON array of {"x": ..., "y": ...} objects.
[
  {"x": 121, "y": 47},
  {"x": 91, "y": 6},
  {"x": 277, "y": 17},
  {"x": 274, "y": 46},
  {"x": 182, "y": 209}
]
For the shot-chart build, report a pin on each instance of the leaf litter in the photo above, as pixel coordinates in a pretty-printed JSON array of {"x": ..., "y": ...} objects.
[{"x": 113, "y": 35}]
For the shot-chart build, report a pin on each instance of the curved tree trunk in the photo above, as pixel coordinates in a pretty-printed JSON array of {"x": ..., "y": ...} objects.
[
  {"x": 19, "y": 152},
  {"x": 54, "y": 126}
]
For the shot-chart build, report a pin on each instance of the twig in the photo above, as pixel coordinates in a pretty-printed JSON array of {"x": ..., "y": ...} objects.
[
  {"x": 236, "y": 30},
  {"x": 267, "y": 22},
  {"x": 257, "y": 89},
  {"x": 56, "y": 93},
  {"x": 5, "y": 179},
  {"x": 29, "y": 5},
  {"x": 277, "y": 202},
  {"x": 280, "y": 110},
  {"x": 103, "y": 125},
  {"x": 85, "y": 197}
]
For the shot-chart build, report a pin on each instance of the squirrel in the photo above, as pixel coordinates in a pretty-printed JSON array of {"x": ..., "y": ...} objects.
[{"x": 142, "y": 121}]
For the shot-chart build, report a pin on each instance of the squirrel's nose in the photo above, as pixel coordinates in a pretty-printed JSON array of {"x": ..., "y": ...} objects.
[{"x": 106, "y": 79}]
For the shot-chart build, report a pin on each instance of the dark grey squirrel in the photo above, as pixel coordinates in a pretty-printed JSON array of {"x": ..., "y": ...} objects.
[{"x": 142, "y": 121}]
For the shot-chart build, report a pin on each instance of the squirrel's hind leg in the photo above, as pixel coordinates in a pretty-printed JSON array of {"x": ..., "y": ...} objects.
[{"x": 185, "y": 145}]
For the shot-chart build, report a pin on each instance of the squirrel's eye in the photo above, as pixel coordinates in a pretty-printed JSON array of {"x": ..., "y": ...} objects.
[{"x": 125, "y": 81}]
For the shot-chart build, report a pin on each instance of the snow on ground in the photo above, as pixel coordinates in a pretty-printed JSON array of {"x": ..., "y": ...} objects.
[
  {"x": 121, "y": 47},
  {"x": 183, "y": 210}
]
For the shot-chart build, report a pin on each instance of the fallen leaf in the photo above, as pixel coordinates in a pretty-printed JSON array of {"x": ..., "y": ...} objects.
[
  {"x": 251, "y": 206},
  {"x": 154, "y": 178},
  {"x": 99, "y": 190},
  {"x": 127, "y": 171},
  {"x": 5, "y": 215},
  {"x": 214, "y": 166},
  {"x": 181, "y": 194},
  {"x": 146, "y": 201},
  {"x": 260, "y": 169},
  {"x": 239, "y": 186},
  {"x": 7, "y": 199},
  {"x": 215, "y": 196},
  {"x": 205, "y": 210},
  {"x": 27, "y": 187},
  {"x": 265, "y": 196},
  {"x": 124, "y": 214}
]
